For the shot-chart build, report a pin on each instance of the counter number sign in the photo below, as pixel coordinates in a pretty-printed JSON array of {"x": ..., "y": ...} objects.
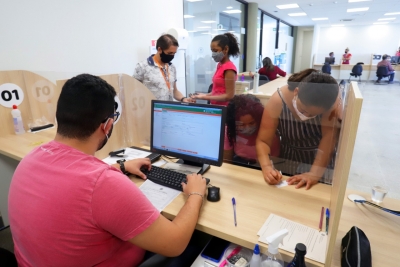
[{"x": 10, "y": 94}]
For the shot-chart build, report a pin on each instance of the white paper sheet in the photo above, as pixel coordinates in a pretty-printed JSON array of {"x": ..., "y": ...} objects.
[
  {"x": 160, "y": 196},
  {"x": 182, "y": 168},
  {"x": 314, "y": 240},
  {"x": 130, "y": 153},
  {"x": 282, "y": 184}
]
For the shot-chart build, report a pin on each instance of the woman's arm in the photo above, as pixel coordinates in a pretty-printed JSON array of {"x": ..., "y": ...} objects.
[
  {"x": 178, "y": 95},
  {"x": 266, "y": 134},
  {"x": 281, "y": 72},
  {"x": 230, "y": 80}
]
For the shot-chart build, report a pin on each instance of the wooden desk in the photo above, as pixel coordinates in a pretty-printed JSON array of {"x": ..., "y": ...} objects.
[{"x": 265, "y": 91}]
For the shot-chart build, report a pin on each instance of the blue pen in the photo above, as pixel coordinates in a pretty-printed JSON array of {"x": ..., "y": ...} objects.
[
  {"x": 327, "y": 220},
  {"x": 234, "y": 210}
]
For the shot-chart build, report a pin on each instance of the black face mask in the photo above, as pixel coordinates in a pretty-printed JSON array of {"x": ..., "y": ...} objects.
[
  {"x": 166, "y": 58},
  {"x": 345, "y": 52},
  {"x": 106, "y": 139}
]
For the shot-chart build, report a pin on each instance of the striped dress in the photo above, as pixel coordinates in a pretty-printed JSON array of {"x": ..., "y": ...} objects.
[{"x": 299, "y": 143}]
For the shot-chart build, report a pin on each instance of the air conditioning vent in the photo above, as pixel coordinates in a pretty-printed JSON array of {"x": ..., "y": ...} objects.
[{"x": 346, "y": 19}]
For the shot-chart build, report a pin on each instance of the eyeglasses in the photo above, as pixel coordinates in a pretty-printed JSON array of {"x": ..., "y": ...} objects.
[{"x": 114, "y": 116}]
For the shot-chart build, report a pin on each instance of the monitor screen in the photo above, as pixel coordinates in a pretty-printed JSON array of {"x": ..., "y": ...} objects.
[
  {"x": 394, "y": 59},
  {"x": 330, "y": 60},
  {"x": 192, "y": 132}
]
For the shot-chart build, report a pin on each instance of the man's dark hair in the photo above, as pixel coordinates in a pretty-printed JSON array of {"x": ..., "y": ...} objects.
[
  {"x": 318, "y": 90},
  {"x": 85, "y": 102},
  {"x": 165, "y": 41},
  {"x": 331, "y": 53},
  {"x": 384, "y": 57}
]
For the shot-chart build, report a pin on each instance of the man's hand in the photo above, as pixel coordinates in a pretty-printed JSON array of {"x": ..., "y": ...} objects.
[
  {"x": 195, "y": 183},
  {"x": 133, "y": 166}
]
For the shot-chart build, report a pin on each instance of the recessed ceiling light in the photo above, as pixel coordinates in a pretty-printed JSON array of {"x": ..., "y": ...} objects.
[
  {"x": 387, "y": 19},
  {"x": 319, "y": 18},
  {"x": 208, "y": 21},
  {"x": 232, "y": 31},
  {"x": 378, "y": 23},
  {"x": 337, "y": 25},
  {"x": 194, "y": 0},
  {"x": 229, "y": 7},
  {"x": 297, "y": 14},
  {"x": 233, "y": 11},
  {"x": 357, "y": 9},
  {"x": 205, "y": 33},
  {"x": 191, "y": 31},
  {"x": 353, "y": 1},
  {"x": 287, "y": 6},
  {"x": 391, "y": 14},
  {"x": 204, "y": 27},
  {"x": 188, "y": 16},
  {"x": 219, "y": 29}
]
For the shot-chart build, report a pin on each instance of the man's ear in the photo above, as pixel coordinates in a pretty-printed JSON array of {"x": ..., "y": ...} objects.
[{"x": 106, "y": 127}]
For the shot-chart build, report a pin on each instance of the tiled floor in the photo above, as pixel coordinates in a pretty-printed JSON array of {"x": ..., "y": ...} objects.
[{"x": 376, "y": 157}]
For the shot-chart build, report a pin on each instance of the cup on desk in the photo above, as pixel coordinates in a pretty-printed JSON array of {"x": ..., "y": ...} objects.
[{"x": 378, "y": 193}]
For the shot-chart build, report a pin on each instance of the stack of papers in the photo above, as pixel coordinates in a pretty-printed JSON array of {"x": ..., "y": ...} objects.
[
  {"x": 130, "y": 153},
  {"x": 314, "y": 240}
]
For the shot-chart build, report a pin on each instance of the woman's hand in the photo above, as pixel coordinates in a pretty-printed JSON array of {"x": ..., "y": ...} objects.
[
  {"x": 271, "y": 176},
  {"x": 188, "y": 100},
  {"x": 197, "y": 96},
  {"x": 133, "y": 166},
  {"x": 305, "y": 179}
]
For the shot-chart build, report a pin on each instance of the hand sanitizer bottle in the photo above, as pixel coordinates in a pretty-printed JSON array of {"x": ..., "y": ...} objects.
[
  {"x": 17, "y": 119},
  {"x": 256, "y": 258},
  {"x": 274, "y": 258}
]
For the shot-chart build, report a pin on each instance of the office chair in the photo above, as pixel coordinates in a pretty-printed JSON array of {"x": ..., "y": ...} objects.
[
  {"x": 7, "y": 257},
  {"x": 326, "y": 68},
  {"x": 357, "y": 71},
  {"x": 382, "y": 72},
  {"x": 263, "y": 79}
]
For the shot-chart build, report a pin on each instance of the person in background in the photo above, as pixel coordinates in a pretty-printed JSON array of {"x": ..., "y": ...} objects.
[
  {"x": 332, "y": 56},
  {"x": 346, "y": 56},
  {"x": 386, "y": 62},
  {"x": 398, "y": 53},
  {"x": 304, "y": 114},
  {"x": 157, "y": 72},
  {"x": 84, "y": 211},
  {"x": 222, "y": 47},
  {"x": 243, "y": 120},
  {"x": 270, "y": 70}
]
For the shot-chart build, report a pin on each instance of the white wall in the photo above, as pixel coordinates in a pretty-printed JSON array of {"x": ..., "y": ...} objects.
[
  {"x": 362, "y": 41},
  {"x": 303, "y": 53},
  {"x": 95, "y": 36}
]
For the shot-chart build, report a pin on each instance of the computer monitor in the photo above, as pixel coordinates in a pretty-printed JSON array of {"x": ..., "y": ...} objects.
[
  {"x": 194, "y": 133},
  {"x": 330, "y": 60},
  {"x": 394, "y": 60}
]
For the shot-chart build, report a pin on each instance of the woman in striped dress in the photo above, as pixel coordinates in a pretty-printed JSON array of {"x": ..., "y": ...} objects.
[{"x": 302, "y": 113}]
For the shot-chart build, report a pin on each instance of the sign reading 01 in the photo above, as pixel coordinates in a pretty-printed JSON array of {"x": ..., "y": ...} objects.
[{"x": 10, "y": 94}]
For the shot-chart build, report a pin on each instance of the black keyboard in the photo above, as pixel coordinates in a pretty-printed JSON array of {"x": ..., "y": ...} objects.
[{"x": 168, "y": 178}]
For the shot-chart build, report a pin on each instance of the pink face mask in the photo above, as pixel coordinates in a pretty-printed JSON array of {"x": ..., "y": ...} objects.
[{"x": 301, "y": 115}]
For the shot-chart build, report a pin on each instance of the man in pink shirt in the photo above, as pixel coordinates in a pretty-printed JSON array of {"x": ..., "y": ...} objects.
[
  {"x": 68, "y": 208},
  {"x": 386, "y": 63}
]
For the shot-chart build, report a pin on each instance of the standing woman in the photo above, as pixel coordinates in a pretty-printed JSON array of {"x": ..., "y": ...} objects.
[
  {"x": 346, "y": 56},
  {"x": 270, "y": 70},
  {"x": 157, "y": 72},
  {"x": 398, "y": 52},
  {"x": 222, "y": 46}
]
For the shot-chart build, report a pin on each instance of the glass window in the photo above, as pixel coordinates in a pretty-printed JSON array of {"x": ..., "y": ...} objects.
[
  {"x": 268, "y": 37},
  {"x": 283, "y": 55},
  {"x": 259, "y": 59},
  {"x": 203, "y": 21}
]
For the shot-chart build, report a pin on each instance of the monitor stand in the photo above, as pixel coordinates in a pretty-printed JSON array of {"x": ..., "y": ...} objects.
[{"x": 204, "y": 167}]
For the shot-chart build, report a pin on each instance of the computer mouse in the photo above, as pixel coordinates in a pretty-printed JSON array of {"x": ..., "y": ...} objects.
[{"x": 213, "y": 194}]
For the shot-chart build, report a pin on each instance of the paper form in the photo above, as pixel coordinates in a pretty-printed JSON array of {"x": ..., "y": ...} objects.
[
  {"x": 130, "y": 153},
  {"x": 282, "y": 184},
  {"x": 160, "y": 196},
  {"x": 314, "y": 240}
]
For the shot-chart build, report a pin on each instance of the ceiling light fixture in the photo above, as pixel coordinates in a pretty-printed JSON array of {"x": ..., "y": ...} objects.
[
  {"x": 194, "y": 0},
  {"x": 391, "y": 14},
  {"x": 204, "y": 27},
  {"x": 188, "y": 16},
  {"x": 359, "y": 9},
  {"x": 208, "y": 21},
  {"x": 387, "y": 19},
  {"x": 354, "y": 1},
  {"x": 297, "y": 14},
  {"x": 319, "y": 19},
  {"x": 287, "y": 6},
  {"x": 337, "y": 25},
  {"x": 229, "y": 7},
  {"x": 232, "y": 11},
  {"x": 379, "y": 23}
]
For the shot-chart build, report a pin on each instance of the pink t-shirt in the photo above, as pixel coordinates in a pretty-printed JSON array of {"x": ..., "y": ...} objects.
[
  {"x": 346, "y": 60},
  {"x": 68, "y": 208},
  {"x": 219, "y": 81},
  {"x": 244, "y": 147}
]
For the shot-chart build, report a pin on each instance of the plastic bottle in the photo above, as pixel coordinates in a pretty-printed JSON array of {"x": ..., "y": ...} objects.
[
  {"x": 274, "y": 258},
  {"x": 242, "y": 78},
  {"x": 17, "y": 119},
  {"x": 256, "y": 258},
  {"x": 298, "y": 260},
  {"x": 255, "y": 82}
]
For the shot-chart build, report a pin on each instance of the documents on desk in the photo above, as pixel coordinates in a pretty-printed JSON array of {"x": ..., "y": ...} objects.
[
  {"x": 130, "y": 153},
  {"x": 314, "y": 240},
  {"x": 160, "y": 196}
]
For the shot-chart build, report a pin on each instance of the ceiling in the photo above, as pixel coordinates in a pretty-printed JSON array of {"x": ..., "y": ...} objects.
[{"x": 334, "y": 10}]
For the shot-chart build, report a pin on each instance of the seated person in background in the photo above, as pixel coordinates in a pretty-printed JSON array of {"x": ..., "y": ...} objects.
[
  {"x": 68, "y": 208},
  {"x": 386, "y": 62},
  {"x": 332, "y": 56},
  {"x": 304, "y": 114},
  {"x": 270, "y": 70},
  {"x": 244, "y": 114},
  {"x": 398, "y": 53}
]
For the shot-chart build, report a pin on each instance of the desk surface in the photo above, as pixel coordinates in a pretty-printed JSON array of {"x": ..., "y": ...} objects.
[
  {"x": 256, "y": 200},
  {"x": 268, "y": 89}
]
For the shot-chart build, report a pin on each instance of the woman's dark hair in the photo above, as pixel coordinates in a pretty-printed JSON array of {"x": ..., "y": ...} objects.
[
  {"x": 296, "y": 78},
  {"x": 267, "y": 64},
  {"x": 228, "y": 39},
  {"x": 318, "y": 90},
  {"x": 85, "y": 102},
  {"x": 165, "y": 41},
  {"x": 239, "y": 106}
]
